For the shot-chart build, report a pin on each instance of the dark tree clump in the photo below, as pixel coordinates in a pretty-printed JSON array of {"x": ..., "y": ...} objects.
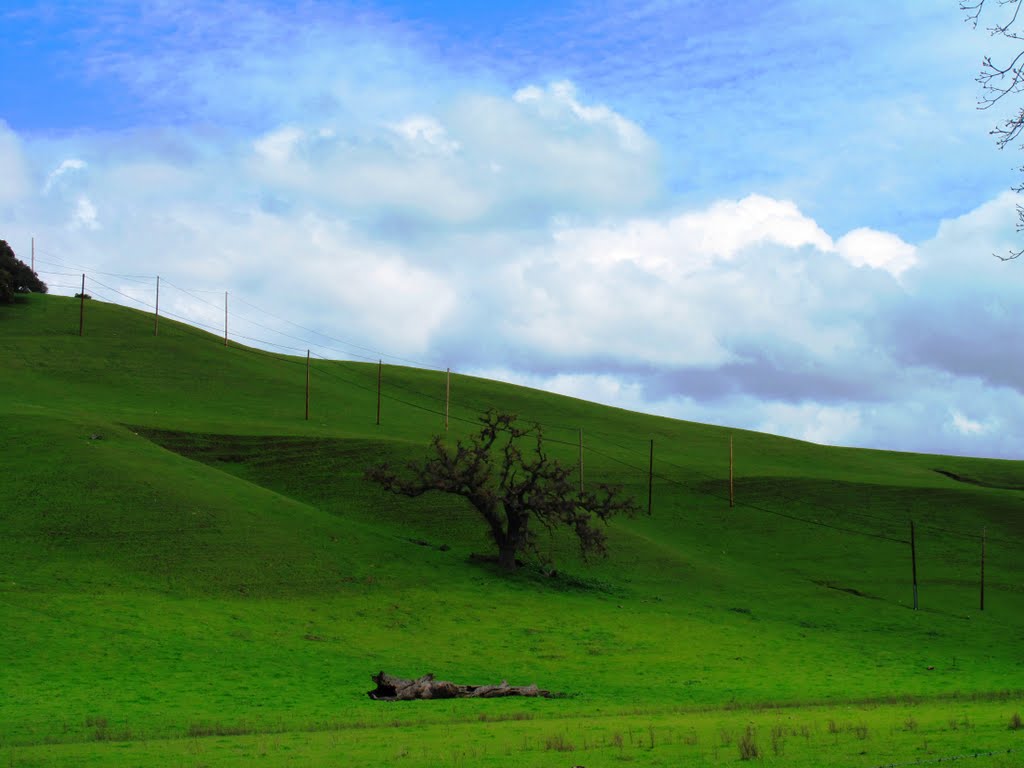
[
  {"x": 16, "y": 276},
  {"x": 514, "y": 489}
]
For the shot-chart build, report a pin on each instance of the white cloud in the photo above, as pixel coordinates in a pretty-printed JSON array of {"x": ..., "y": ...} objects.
[
  {"x": 482, "y": 157},
  {"x": 619, "y": 391},
  {"x": 424, "y": 133},
  {"x": 702, "y": 288},
  {"x": 403, "y": 306},
  {"x": 695, "y": 240},
  {"x": 559, "y": 99},
  {"x": 828, "y": 425},
  {"x": 513, "y": 233},
  {"x": 66, "y": 166},
  {"x": 730, "y": 226},
  {"x": 13, "y": 167},
  {"x": 553, "y": 159},
  {"x": 84, "y": 215},
  {"x": 966, "y": 426},
  {"x": 880, "y": 250},
  {"x": 277, "y": 146}
]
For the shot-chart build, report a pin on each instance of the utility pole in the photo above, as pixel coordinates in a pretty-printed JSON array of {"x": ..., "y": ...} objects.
[
  {"x": 732, "y": 493},
  {"x": 307, "y": 385},
  {"x": 156, "y": 315},
  {"x": 33, "y": 255},
  {"x": 81, "y": 309},
  {"x": 447, "y": 397},
  {"x": 581, "y": 462},
  {"x": 650, "y": 479},
  {"x": 225, "y": 318},
  {"x": 983, "y": 532},
  {"x": 380, "y": 371},
  {"x": 913, "y": 561}
]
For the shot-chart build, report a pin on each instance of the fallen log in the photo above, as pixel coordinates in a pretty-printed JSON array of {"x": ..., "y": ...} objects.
[{"x": 391, "y": 688}]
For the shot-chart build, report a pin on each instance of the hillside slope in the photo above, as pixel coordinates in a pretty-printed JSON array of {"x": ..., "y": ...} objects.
[{"x": 182, "y": 547}]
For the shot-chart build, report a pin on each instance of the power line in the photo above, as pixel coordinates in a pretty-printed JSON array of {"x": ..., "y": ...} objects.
[
  {"x": 339, "y": 341},
  {"x": 188, "y": 293},
  {"x": 63, "y": 274},
  {"x": 607, "y": 438},
  {"x": 119, "y": 293},
  {"x": 61, "y": 262}
]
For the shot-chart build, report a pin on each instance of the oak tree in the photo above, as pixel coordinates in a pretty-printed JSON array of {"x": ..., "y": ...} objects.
[
  {"x": 511, "y": 481},
  {"x": 16, "y": 276}
]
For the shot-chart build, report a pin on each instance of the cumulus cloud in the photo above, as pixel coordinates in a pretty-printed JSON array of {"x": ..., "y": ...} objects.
[
  {"x": 277, "y": 146},
  {"x": 522, "y": 231},
  {"x": 84, "y": 215},
  {"x": 66, "y": 166},
  {"x": 832, "y": 425},
  {"x": 880, "y": 250},
  {"x": 559, "y": 100},
  {"x": 425, "y": 134},
  {"x": 483, "y": 159},
  {"x": 741, "y": 283},
  {"x": 743, "y": 312},
  {"x": 621, "y": 391},
  {"x": 747, "y": 313},
  {"x": 958, "y": 313},
  {"x": 13, "y": 166},
  {"x": 727, "y": 227},
  {"x": 966, "y": 426}
]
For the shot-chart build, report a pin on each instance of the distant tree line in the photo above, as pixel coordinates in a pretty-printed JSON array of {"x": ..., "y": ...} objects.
[{"x": 16, "y": 276}]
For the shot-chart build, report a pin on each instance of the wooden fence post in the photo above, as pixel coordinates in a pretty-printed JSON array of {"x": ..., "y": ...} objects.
[
  {"x": 650, "y": 479},
  {"x": 913, "y": 561},
  {"x": 581, "y": 462},
  {"x": 307, "y": 385},
  {"x": 732, "y": 492},
  {"x": 81, "y": 309},
  {"x": 380, "y": 366},
  {"x": 983, "y": 532}
]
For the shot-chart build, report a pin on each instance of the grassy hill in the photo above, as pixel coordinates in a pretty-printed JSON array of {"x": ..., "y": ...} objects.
[{"x": 193, "y": 574}]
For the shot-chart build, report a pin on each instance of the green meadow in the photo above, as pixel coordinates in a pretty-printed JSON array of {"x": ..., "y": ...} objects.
[{"x": 193, "y": 574}]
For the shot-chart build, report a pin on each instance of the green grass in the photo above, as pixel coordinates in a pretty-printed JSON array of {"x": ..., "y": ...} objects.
[{"x": 193, "y": 574}]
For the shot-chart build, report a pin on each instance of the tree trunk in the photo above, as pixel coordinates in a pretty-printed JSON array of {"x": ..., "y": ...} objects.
[
  {"x": 511, "y": 539},
  {"x": 507, "y": 556}
]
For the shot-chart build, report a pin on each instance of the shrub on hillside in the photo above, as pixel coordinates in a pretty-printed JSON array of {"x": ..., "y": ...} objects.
[
  {"x": 748, "y": 745},
  {"x": 16, "y": 276}
]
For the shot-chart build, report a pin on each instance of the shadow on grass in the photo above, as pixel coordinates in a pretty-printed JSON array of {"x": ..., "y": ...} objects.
[{"x": 541, "y": 578}]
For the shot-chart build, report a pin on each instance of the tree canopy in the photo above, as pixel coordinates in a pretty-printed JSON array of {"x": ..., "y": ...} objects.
[
  {"x": 16, "y": 276},
  {"x": 514, "y": 488}
]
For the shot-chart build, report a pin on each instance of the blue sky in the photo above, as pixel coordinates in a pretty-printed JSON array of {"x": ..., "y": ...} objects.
[{"x": 774, "y": 215}]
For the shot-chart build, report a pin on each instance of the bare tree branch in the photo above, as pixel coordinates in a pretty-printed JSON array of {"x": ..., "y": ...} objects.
[{"x": 998, "y": 81}]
